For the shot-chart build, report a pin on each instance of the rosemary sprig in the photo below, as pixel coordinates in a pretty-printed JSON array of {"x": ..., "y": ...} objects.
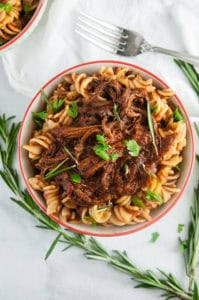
[
  {"x": 190, "y": 72},
  {"x": 93, "y": 249},
  {"x": 71, "y": 155},
  {"x": 191, "y": 251},
  {"x": 116, "y": 114},
  {"x": 150, "y": 124}
]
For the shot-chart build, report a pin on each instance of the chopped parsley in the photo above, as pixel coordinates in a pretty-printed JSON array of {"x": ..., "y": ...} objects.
[
  {"x": 75, "y": 177},
  {"x": 137, "y": 202},
  {"x": 155, "y": 108},
  {"x": 101, "y": 148},
  {"x": 6, "y": 6},
  {"x": 39, "y": 117},
  {"x": 114, "y": 156},
  {"x": 177, "y": 115},
  {"x": 132, "y": 147},
  {"x": 55, "y": 106},
  {"x": 26, "y": 8},
  {"x": 73, "y": 110},
  {"x": 180, "y": 228},
  {"x": 183, "y": 246},
  {"x": 150, "y": 195},
  {"x": 154, "y": 237}
]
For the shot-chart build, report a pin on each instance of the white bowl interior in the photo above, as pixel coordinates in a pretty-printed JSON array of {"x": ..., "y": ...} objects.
[{"x": 29, "y": 171}]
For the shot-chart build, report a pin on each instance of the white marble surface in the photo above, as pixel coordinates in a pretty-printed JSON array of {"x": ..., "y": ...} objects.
[{"x": 24, "y": 274}]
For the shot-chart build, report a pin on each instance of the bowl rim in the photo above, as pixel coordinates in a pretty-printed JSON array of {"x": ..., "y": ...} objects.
[
  {"x": 144, "y": 225},
  {"x": 25, "y": 29}
]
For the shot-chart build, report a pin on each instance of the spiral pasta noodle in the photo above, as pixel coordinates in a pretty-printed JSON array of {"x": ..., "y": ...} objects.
[{"x": 87, "y": 97}]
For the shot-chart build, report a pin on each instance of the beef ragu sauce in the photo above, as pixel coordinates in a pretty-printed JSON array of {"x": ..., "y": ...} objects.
[{"x": 105, "y": 181}]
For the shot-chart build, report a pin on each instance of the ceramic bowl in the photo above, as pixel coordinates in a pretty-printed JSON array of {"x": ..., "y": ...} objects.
[{"x": 27, "y": 170}]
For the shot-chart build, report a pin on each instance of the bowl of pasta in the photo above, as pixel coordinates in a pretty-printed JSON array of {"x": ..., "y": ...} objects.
[
  {"x": 106, "y": 148},
  {"x": 18, "y": 18}
]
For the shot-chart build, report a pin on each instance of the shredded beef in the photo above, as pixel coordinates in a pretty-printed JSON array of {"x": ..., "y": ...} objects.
[{"x": 101, "y": 180}]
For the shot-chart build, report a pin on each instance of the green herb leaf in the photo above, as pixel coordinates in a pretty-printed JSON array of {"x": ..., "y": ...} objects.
[
  {"x": 116, "y": 114},
  {"x": 39, "y": 117},
  {"x": 155, "y": 108},
  {"x": 6, "y": 6},
  {"x": 133, "y": 147},
  {"x": 52, "y": 246},
  {"x": 93, "y": 222},
  {"x": 190, "y": 72},
  {"x": 70, "y": 154},
  {"x": 101, "y": 141},
  {"x": 176, "y": 168},
  {"x": 2, "y": 43},
  {"x": 183, "y": 246},
  {"x": 44, "y": 96},
  {"x": 101, "y": 152},
  {"x": 138, "y": 202},
  {"x": 73, "y": 110},
  {"x": 150, "y": 195},
  {"x": 150, "y": 124},
  {"x": 177, "y": 115},
  {"x": 154, "y": 237},
  {"x": 75, "y": 177},
  {"x": 114, "y": 156},
  {"x": 100, "y": 210},
  {"x": 26, "y": 8},
  {"x": 180, "y": 228},
  {"x": 57, "y": 105},
  {"x": 101, "y": 148}
]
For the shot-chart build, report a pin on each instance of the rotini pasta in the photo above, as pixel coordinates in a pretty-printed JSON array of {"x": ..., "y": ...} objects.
[
  {"x": 93, "y": 153},
  {"x": 14, "y": 15}
]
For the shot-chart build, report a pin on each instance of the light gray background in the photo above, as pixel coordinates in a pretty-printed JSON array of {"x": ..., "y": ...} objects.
[{"x": 69, "y": 275}]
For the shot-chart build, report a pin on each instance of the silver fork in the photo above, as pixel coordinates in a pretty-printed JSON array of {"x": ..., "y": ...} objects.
[{"x": 121, "y": 41}]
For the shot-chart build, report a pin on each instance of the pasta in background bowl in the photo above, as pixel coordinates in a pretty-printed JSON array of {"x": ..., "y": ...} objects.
[
  {"x": 106, "y": 148},
  {"x": 18, "y": 18}
]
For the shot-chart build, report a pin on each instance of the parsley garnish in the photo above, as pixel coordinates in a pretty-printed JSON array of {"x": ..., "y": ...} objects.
[
  {"x": 101, "y": 148},
  {"x": 155, "y": 108},
  {"x": 150, "y": 195},
  {"x": 133, "y": 147},
  {"x": 93, "y": 222},
  {"x": 6, "y": 6},
  {"x": 39, "y": 117},
  {"x": 183, "y": 246},
  {"x": 55, "y": 106},
  {"x": 73, "y": 110},
  {"x": 154, "y": 237},
  {"x": 26, "y": 8},
  {"x": 177, "y": 115},
  {"x": 75, "y": 177},
  {"x": 137, "y": 202},
  {"x": 114, "y": 156},
  {"x": 180, "y": 228}
]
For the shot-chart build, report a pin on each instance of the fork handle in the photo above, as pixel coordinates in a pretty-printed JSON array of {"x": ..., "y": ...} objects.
[{"x": 181, "y": 55}]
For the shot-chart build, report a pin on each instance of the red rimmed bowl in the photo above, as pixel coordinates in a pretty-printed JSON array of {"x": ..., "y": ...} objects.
[
  {"x": 27, "y": 170},
  {"x": 28, "y": 29}
]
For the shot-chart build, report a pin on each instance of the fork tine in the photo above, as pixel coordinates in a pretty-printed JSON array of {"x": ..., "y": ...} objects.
[
  {"x": 103, "y": 23},
  {"x": 99, "y": 35},
  {"x": 100, "y": 29},
  {"x": 111, "y": 29},
  {"x": 91, "y": 38}
]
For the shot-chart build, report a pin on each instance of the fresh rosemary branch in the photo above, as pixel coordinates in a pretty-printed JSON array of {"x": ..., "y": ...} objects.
[
  {"x": 93, "y": 249},
  {"x": 150, "y": 124},
  {"x": 191, "y": 251},
  {"x": 190, "y": 72}
]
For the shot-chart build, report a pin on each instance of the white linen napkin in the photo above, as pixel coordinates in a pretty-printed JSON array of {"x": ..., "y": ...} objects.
[{"x": 54, "y": 46}]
